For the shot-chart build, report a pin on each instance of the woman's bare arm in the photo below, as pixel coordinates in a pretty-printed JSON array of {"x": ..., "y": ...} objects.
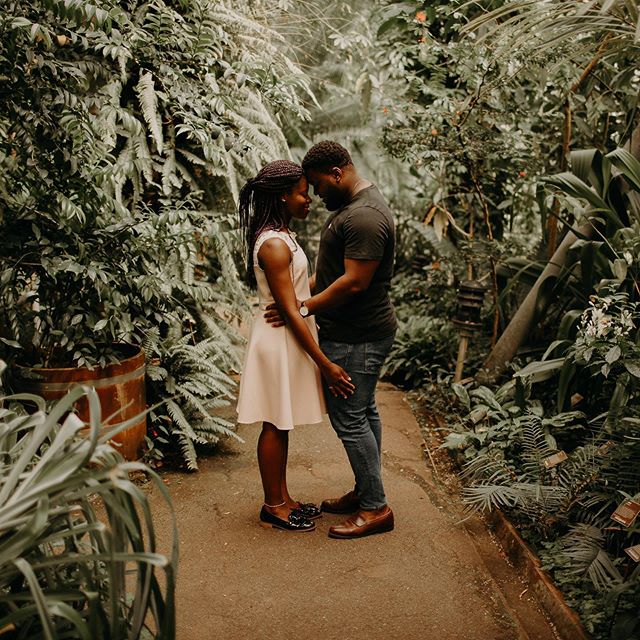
[{"x": 274, "y": 258}]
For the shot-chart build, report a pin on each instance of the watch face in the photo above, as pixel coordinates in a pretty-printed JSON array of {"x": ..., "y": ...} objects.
[{"x": 304, "y": 312}]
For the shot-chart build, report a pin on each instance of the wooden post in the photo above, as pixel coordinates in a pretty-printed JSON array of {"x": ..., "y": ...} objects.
[{"x": 462, "y": 352}]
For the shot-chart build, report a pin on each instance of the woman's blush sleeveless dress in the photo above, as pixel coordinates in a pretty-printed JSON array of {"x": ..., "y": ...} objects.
[{"x": 280, "y": 383}]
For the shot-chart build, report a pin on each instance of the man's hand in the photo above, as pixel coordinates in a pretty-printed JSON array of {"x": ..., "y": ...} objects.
[{"x": 273, "y": 317}]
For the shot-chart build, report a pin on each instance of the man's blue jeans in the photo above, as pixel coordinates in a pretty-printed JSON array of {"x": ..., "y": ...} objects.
[{"x": 356, "y": 419}]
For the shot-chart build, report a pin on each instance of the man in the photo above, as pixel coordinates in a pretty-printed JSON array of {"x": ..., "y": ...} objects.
[{"x": 357, "y": 323}]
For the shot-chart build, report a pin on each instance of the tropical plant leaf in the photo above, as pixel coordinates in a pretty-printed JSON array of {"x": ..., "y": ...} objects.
[
  {"x": 57, "y": 535},
  {"x": 627, "y": 164},
  {"x": 583, "y": 546}
]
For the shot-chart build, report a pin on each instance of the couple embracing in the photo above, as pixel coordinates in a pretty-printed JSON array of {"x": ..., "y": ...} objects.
[{"x": 289, "y": 378}]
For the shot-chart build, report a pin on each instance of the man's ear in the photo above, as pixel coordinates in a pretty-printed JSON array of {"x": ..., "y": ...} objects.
[{"x": 337, "y": 173}]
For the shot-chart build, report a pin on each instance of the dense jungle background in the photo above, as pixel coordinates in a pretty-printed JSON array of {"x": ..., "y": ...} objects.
[{"x": 504, "y": 134}]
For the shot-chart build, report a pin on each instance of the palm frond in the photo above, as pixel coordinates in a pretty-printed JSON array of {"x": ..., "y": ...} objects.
[{"x": 584, "y": 547}]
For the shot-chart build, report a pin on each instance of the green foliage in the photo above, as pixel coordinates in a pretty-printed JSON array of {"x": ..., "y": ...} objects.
[
  {"x": 79, "y": 556},
  {"x": 592, "y": 365},
  {"x": 424, "y": 299},
  {"x": 480, "y": 118},
  {"x": 614, "y": 23},
  {"x": 507, "y": 440},
  {"x": 487, "y": 102},
  {"x": 110, "y": 132},
  {"x": 465, "y": 135},
  {"x": 125, "y": 133},
  {"x": 564, "y": 509},
  {"x": 188, "y": 374},
  {"x": 423, "y": 347}
]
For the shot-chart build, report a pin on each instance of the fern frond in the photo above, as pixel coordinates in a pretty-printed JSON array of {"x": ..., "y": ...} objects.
[
  {"x": 535, "y": 445},
  {"x": 149, "y": 105},
  {"x": 180, "y": 420},
  {"x": 188, "y": 451},
  {"x": 490, "y": 468},
  {"x": 155, "y": 373},
  {"x": 169, "y": 174}
]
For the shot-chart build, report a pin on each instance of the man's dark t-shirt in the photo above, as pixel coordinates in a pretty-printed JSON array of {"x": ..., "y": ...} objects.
[{"x": 362, "y": 230}]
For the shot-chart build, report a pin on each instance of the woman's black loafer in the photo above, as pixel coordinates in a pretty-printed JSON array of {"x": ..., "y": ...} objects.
[
  {"x": 309, "y": 510},
  {"x": 295, "y": 522}
]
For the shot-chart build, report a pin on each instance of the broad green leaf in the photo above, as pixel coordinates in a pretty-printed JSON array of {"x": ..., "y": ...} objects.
[
  {"x": 619, "y": 399},
  {"x": 462, "y": 394},
  {"x": 628, "y": 165},
  {"x": 554, "y": 345},
  {"x": 540, "y": 370},
  {"x": 573, "y": 186},
  {"x": 619, "y": 268},
  {"x": 613, "y": 354},
  {"x": 568, "y": 323},
  {"x": 633, "y": 368},
  {"x": 567, "y": 373},
  {"x": 11, "y": 343},
  {"x": 584, "y": 162},
  {"x": 101, "y": 324},
  {"x": 587, "y": 259}
]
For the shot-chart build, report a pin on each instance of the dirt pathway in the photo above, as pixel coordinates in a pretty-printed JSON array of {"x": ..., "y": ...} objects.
[{"x": 431, "y": 578}]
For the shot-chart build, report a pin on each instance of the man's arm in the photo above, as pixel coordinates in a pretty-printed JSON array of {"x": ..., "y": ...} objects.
[
  {"x": 365, "y": 234},
  {"x": 356, "y": 278},
  {"x": 275, "y": 257}
]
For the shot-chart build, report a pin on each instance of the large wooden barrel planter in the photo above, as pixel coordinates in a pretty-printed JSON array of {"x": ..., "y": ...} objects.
[{"x": 120, "y": 387}]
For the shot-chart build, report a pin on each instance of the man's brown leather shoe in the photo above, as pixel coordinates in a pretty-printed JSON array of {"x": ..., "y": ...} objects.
[
  {"x": 364, "y": 523},
  {"x": 348, "y": 503}
]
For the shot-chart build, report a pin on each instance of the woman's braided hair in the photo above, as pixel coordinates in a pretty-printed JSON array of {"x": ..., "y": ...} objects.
[{"x": 261, "y": 207}]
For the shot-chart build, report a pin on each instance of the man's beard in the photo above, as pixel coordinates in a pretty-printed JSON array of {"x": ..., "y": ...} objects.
[{"x": 334, "y": 201}]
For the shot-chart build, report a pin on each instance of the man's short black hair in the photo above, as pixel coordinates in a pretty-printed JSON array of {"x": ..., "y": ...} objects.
[{"x": 326, "y": 154}]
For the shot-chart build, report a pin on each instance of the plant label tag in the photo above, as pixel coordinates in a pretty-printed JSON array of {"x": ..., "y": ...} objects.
[
  {"x": 604, "y": 448},
  {"x": 626, "y": 513},
  {"x": 633, "y": 552},
  {"x": 576, "y": 398},
  {"x": 555, "y": 459}
]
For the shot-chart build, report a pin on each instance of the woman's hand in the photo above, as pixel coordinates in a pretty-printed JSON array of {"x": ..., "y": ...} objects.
[{"x": 338, "y": 380}]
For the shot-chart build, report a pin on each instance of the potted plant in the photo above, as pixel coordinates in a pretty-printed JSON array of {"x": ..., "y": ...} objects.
[
  {"x": 121, "y": 128},
  {"x": 93, "y": 255}
]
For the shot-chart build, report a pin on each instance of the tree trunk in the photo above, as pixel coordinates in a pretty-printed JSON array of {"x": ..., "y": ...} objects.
[{"x": 520, "y": 325}]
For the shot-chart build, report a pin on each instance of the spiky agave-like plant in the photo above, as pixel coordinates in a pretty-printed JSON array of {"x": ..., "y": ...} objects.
[{"x": 78, "y": 554}]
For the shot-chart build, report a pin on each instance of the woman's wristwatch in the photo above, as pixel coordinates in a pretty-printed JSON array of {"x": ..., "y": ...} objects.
[{"x": 304, "y": 310}]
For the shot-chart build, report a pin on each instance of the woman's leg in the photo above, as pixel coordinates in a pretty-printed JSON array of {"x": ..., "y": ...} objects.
[
  {"x": 272, "y": 460},
  {"x": 283, "y": 485},
  {"x": 309, "y": 510}
]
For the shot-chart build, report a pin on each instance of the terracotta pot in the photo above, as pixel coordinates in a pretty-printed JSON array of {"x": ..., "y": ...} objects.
[{"x": 120, "y": 387}]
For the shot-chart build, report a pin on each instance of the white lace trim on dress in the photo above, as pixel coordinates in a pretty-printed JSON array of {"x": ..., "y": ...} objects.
[{"x": 288, "y": 238}]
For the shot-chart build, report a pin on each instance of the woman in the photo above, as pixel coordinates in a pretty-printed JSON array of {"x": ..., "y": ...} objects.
[{"x": 280, "y": 384}]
